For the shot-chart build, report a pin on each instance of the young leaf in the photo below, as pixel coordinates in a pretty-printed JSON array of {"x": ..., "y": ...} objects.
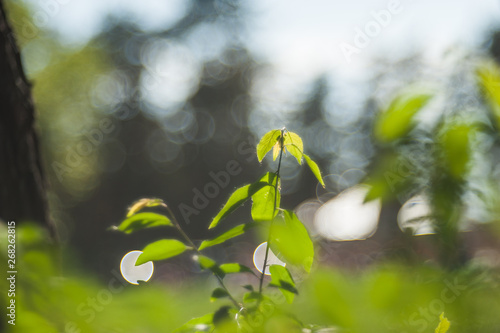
[
  {"x": 456, "y": 146},
  {"x": 252, "y": 297},
  {"x": 396, "y": 121},
  {"x": 218, "y": 293},
  {"x": 142, "y": 203},
  {"x": 263, "y": 207},
  {"x": 142, "y": 221},
  {"x": 201, "y": 324},
  {"x": 267, "y": 143},
  {"x": 281, "y": 278},
  {"x": 444, "y": 324},
  {"x": 205, "y": 262},
  {"x": 234, "y": 232},
  {"x": 276, "y": 151},
  {"x": 290, "y": 240},
  {"x": 314, "y": 168},
  {"x": 488, "y": 75},
  {"x": 160, "y": 250},
  {"x": 235, "y": 200},
  {"x": 210, "y": 264},
  {"x": 294, "y": 144},
  {"x": 235, "y": 268}
]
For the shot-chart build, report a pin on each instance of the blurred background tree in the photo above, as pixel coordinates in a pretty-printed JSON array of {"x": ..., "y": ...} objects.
[{"x": 22, "y": 179}]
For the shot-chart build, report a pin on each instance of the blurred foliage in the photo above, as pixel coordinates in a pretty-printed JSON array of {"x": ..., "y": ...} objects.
[
  {"x": 387, "y": 298},
  {"x": 47, "y": 301}
]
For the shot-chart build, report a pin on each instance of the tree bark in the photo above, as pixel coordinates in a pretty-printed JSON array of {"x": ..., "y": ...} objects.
[{"x": 22, "y": 181}]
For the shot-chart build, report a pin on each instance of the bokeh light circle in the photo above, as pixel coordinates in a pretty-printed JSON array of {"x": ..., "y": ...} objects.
[
  {"x": 132, "y": 273},
  {"x": 415, "y": 216},
  {"x": 259, "y": 255},
  {"x": 347, "y": 216}
]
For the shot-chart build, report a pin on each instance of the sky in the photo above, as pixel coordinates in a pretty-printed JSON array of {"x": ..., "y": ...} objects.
[
  {"x": 341, "y": 39},
  {"x": 305, "y": 36}
]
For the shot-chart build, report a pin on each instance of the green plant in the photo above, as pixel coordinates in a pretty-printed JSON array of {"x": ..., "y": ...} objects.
[{"x": 286, "y": 237}]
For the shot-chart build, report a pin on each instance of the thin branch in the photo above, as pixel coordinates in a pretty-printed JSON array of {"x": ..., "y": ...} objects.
[
  {"x": 186, "y": 237},
  {"x": 274, "y": 211}
]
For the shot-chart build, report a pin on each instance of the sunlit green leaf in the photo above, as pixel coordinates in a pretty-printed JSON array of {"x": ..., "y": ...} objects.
[
  {"x": 293, "y": 144},
  {"x": 455, "y": 142},
  {"x": 234, "y": 232},
  {"x": 210, "y": 264},
  {"x": 235, "y": 268},
  {"x": 281, "y": 278},
  {"x": 201, "y": 324},
  {"x": 143, "y": 203},
  {"x": 276, "y": 151},
  {"x": 290, "y": 240},
  {"x": 489, "y": 80},
  {"x": 252, "y": 297},
  {"x": 142, "y": 221},
  {"x": 205, "y": 262},
  {"x": 315, "y": 169},
  {"x": 218, "y": 293},
  {"x": 267, "y": 143},
  {"x": 396, "y": 121},
  {"x": 160, "y": 250},
  {"x": 444, "y": 324},
  {"x": 263, "y": 206},
  {"x": 236, "y": 200}
]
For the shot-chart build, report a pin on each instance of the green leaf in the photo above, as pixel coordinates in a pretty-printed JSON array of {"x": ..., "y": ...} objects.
[
  {"x": 248, "y": 287},
  {"x": 290, "y": 240},
  {"x": 263, "y": 206},
  {"x": 444, "y": 324},
  {"x": 142, "y": 221},
  {"x": 218, "y": 293},
  {"x": 455, "y": 142},
  {"x": 232, "y": 268},
  {"x": 201, "y": 324},
  {"x": 281, "y": 278},
  {"x": 315, "y": 169},
  {"x": 205, "y": 262},
  {"x": 234, "y": 232},
  {"x": 396, "y": 121},
  {"x": 276, "y": 151},
  {"x": 143, "y": 203},
  {"x": 488, "y": 75},
  {"x": 235, "y": 200},
  {"x": 210, "y": 264},
  {"x": 251, "y": 298},
  {"x": 224, "y": 320},
  {"x": 293, "y": 143},
  {"x": 160, "y": 250},
  {"x": 267, "y": 142}
]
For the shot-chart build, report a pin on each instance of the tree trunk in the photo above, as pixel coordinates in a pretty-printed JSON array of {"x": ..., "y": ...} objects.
[{"x": 22, "y": 181}]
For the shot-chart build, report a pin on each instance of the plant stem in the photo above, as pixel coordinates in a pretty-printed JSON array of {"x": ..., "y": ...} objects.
[
  {"x": 186, "y": 237},
  {"x": 274, "y": 210}
]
